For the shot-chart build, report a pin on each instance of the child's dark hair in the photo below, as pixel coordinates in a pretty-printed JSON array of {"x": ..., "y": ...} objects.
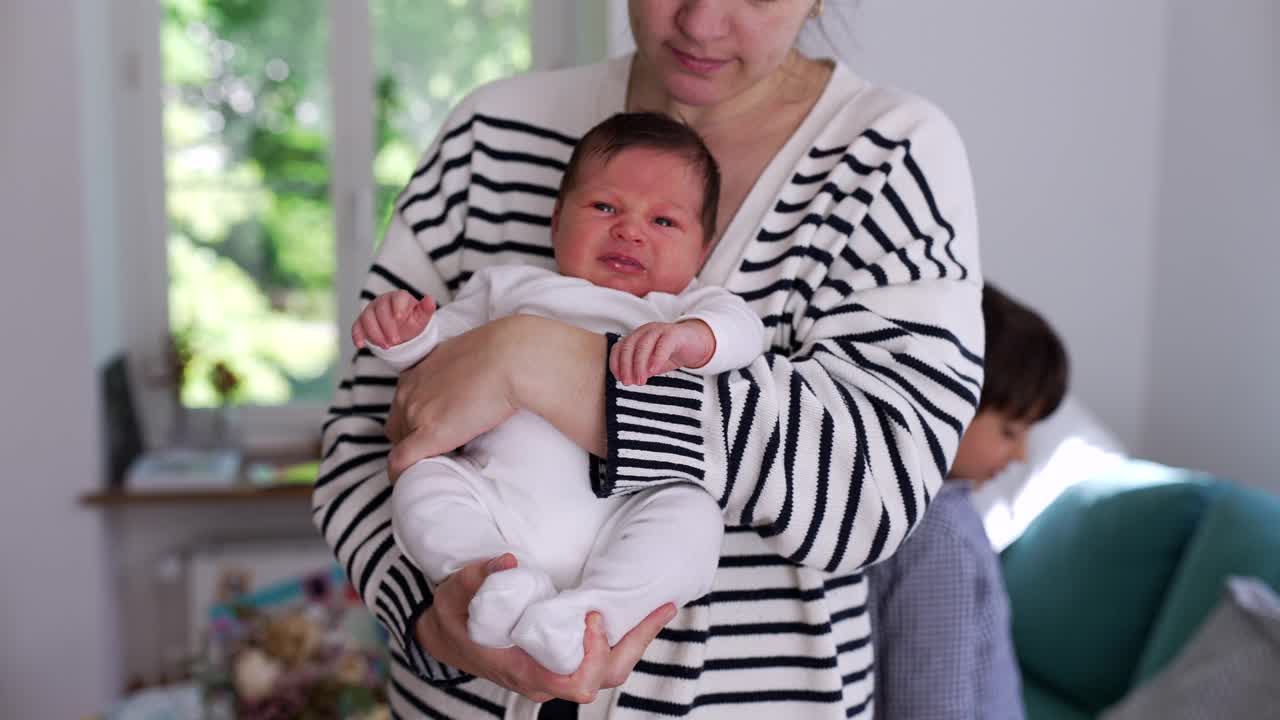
[
  {"x": 1026, "y": 363},
  {"x": 655, "y": 132}
]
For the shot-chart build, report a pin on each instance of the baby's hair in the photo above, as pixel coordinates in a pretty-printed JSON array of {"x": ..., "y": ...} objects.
[
  {"x": 1026, "y": 363},
  {"x": 653, "y": 131}
]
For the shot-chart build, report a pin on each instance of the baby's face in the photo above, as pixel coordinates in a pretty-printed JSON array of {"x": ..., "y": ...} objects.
[{"x": 632, "y": 223}]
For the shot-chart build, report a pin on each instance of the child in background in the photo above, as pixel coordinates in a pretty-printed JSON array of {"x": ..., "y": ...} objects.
[
  {"x": 939, "y": 610},
  {"x": 633, "y": 221}
]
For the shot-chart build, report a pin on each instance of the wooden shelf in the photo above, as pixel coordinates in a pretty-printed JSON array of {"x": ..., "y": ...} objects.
[
  {"x": 241, "y": 490},
  {"x": 238, "y": 493}
]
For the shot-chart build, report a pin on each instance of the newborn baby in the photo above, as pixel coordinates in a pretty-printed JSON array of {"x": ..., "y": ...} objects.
[{"x": 632, "y": 224}]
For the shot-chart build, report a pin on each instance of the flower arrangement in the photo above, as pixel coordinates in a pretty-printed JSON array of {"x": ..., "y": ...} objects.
[
  {"x": 178, "y": 370},
  {"x": 225, "y": 382},
  {"x": 306, "y": 649}
]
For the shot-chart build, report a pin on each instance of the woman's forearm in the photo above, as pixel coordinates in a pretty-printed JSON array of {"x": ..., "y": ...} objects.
[
  {"x": 559, "y": 375},
  {"x": 472, "y": 383}
]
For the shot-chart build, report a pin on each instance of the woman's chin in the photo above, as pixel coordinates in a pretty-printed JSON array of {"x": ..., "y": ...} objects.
[{"x": 694, "y": 91}]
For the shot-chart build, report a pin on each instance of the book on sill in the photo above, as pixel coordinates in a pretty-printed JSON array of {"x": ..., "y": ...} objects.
[{"x": 184, "y": 469}]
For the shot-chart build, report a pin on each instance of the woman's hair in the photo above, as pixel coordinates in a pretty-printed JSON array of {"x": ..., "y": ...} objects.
[
  {"x": 653, "y": 131},
  {"x": 831, "y": 33},
  {"x": 1026, "y": 363}
]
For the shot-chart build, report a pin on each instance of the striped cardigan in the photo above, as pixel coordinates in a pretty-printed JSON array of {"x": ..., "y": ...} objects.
[{"x": 858, "y": 248}]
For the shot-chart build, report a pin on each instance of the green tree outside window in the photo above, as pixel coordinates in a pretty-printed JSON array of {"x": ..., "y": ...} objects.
[{"x": 251, "y": 249}]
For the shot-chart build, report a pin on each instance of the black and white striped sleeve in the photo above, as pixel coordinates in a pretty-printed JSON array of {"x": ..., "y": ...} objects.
[
  {"x": 832, "y": 444},
  {"x": 351, "y": 502}
]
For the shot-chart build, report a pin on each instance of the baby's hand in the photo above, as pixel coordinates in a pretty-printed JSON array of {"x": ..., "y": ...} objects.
[
  {"x": 657, "y": 348},
  {"x": 392, "y": 318}
]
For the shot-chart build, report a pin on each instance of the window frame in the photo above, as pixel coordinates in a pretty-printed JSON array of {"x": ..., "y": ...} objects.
[{"x": 562, "y": 33}]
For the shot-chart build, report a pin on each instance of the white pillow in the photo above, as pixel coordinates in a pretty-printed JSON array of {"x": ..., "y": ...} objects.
[
  {"x": 1068, "y": 446},
  {"x": 1228, "y": 669}
]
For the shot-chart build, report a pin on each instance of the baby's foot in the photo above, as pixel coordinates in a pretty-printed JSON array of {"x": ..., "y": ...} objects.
[
  {"x": 500, "y": 602},
  {"x": 552, "y": 632}
]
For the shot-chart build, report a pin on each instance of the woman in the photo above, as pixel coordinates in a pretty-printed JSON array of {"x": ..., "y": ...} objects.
[{"x": 846, "y": 220}]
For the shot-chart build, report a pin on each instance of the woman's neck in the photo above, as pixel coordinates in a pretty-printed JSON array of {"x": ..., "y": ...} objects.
[{"x": 790, "y": 79}]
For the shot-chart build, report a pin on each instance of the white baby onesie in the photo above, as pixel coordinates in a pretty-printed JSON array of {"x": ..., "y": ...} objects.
[{"x": 524, "y": 488}]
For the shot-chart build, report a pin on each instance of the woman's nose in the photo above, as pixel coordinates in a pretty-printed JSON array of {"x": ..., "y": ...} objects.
[{"x": 702, "y": 20}]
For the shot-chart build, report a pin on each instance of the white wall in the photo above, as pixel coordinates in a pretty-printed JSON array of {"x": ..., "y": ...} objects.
[
  {"x": 1060, "y": 106},
  {"x": 58, "y": 654},
  {"x": 1215, "y": 392}
]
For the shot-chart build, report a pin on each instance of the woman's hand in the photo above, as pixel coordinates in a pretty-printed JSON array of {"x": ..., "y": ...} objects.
[
  {"x": 471, "y": 383},
  {"x": 442, "y": 632},
  {"x": 460, "y": 390}
]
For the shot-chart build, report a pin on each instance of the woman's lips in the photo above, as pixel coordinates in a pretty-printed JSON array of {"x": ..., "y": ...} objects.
[
  {"x": 622, "y": 263},
  {"x": 699, "y": 65}
]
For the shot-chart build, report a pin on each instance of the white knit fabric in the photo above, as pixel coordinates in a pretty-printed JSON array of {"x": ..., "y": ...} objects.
[{"x": 858, "y": 248}]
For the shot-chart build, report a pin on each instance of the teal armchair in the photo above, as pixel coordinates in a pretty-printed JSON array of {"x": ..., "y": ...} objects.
[{"x": 1112, "y": 579}]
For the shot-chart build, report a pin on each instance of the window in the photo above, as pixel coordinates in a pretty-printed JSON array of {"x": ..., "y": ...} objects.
[
  {"x": 285, "y": 131},
  {"x": 251, "y": 250},
  {"x": 424, "y": 63}
]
